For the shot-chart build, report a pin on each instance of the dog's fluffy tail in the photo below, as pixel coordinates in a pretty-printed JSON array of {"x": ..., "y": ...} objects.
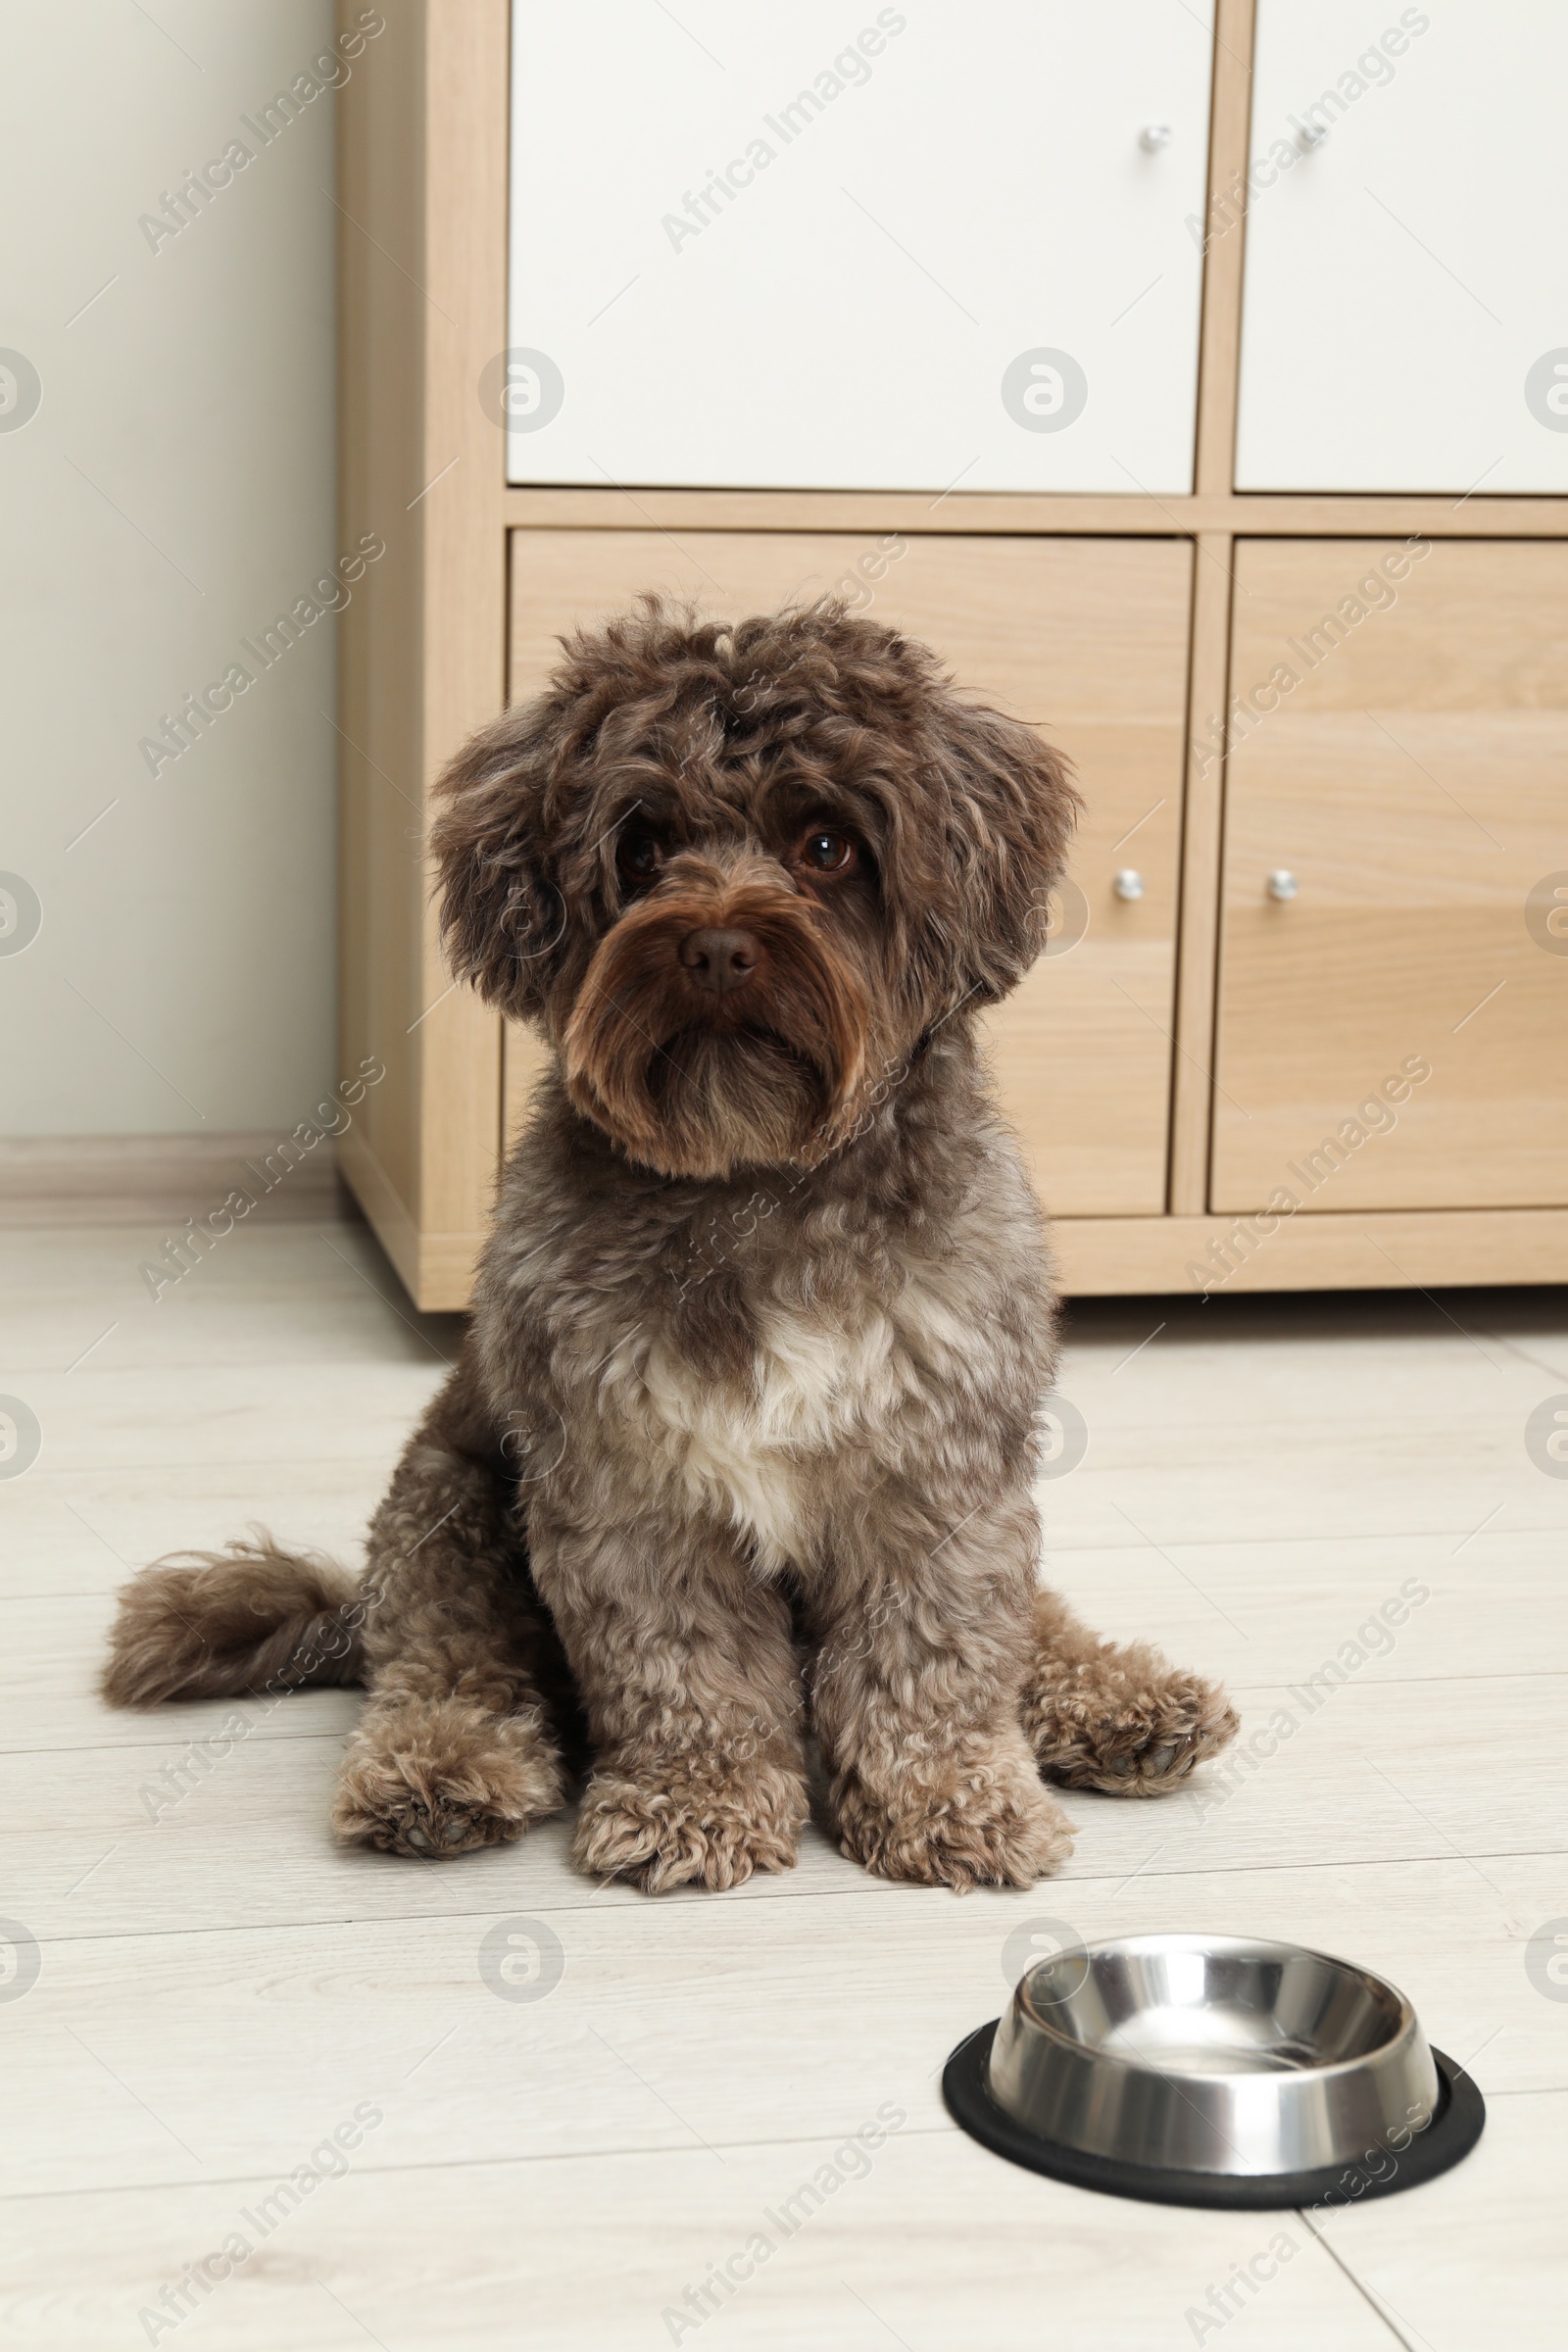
[{"x": 252, "y": 1617}]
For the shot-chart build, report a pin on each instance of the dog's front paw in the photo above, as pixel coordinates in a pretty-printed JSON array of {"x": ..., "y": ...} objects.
[
  {"x": 661, "y": 1833},
  {"x": 430, "y": 1777},
  {"x": 1125, "y": 1722},
  {"x": 986, "y": 1825}
]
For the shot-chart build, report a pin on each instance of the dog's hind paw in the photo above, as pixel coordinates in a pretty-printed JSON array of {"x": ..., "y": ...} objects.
[
  {"x": 659, "y": 1838},
  {"x": 1125, "y": 1722},
  {"x": 428, "y": 1778}
]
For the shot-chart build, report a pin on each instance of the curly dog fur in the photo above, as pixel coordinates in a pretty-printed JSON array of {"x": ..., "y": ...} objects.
[{"x": 743, "y": 1437}]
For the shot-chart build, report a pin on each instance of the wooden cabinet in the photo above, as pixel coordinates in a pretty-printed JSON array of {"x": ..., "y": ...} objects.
[
  {"x": 816, "y": 247},
  {"x": 1407, "y": 249},
  {"x": 1084, "y": 638},
  {"x": 1400, "y": 753},
  {"x": 806, "y": 394}
]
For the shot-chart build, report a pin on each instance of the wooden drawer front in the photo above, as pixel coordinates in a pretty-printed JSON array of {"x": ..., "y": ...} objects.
[
  {"x": 804, "y": 246},
  {"x": 1085, "y": 637},
  {"x": 1415, "y": 782},
  {"x": 1403, "y": 323}
]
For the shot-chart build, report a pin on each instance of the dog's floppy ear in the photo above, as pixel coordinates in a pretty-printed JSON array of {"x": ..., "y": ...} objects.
[
  {"x": 500, "y": 913},
  {"x": 1012, "y": 808}
]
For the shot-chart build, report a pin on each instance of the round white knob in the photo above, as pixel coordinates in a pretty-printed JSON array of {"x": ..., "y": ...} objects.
[
  {"x": 1310, "y": 135},
  {"x": 1153, "y": 136},
  {"x": 1282, "y": 884},
  {"x": 1129, "y": 883}
]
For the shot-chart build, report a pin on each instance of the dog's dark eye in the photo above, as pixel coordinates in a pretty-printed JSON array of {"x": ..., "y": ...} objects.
[
  {"x": 638, "y": 855},
  {"x": 827, "y": 852}
]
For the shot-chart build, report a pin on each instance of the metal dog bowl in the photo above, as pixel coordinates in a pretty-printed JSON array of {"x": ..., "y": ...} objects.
[{"x": 1213, "y": 2070}]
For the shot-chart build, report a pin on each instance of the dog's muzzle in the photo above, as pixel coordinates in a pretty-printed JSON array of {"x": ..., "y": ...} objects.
[{"x": 718, "y": 1024}]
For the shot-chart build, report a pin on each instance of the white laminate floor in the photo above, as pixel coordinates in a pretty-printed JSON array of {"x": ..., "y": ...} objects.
[{"x": 219, "y": 1989}]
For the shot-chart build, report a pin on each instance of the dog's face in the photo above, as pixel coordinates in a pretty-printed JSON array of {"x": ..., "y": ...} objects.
[{"x": 740, "y": 873}]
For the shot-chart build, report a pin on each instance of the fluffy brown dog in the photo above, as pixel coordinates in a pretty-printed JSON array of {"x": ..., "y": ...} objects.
[{"x": 743, "y": 1436}]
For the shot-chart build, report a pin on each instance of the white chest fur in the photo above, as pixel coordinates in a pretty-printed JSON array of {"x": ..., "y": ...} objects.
[{"x": 746, "y": 1451}]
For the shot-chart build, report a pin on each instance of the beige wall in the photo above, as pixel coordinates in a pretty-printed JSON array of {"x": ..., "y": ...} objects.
[{"x": 172, "y": 495}]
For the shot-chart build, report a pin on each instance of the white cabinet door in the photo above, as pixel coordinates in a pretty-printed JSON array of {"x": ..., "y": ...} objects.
[
  {"x": 1406, "y": 316},
  {"x": 848, "y": 246}
]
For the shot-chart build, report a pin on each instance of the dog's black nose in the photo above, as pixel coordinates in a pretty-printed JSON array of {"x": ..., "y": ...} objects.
[{"x": 721, "y": 960}]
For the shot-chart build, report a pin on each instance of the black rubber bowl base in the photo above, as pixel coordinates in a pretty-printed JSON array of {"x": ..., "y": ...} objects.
[{"x": 1380, "y": 2172}]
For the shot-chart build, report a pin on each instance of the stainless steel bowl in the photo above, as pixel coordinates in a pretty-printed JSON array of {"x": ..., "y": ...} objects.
[
  {"x": 1213, "y": 2068},
  {"x": 1214, "y": 2055}
]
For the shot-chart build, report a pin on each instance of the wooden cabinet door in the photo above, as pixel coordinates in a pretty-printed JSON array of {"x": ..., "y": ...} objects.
[
  {"x": 1413, "y": 781},
  {"x": 1406, "y": 248},
  {"x": 1085, "y": 638},
  {"x": 880, "y": 247}
]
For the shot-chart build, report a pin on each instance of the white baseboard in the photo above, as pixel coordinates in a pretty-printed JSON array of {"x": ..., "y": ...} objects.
[{"x": 162, "y": 1179}]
